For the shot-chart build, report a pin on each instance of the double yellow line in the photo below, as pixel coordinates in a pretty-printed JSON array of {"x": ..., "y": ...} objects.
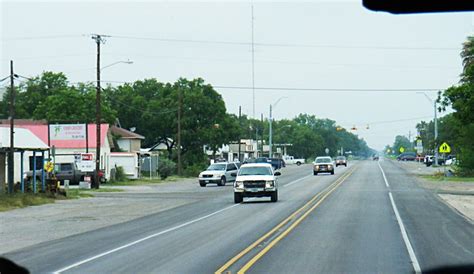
[{"x": 321, "y": 196}]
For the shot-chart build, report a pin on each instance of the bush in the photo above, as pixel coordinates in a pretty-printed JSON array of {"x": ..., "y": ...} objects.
[
  {"x": 120, "y": 174},
  {"x": 166, "y": 167},
  {"x": 195, "y": 169}
]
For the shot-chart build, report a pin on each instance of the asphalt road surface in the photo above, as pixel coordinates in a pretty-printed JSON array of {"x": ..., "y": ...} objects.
[{"x": 370, "y": 217}]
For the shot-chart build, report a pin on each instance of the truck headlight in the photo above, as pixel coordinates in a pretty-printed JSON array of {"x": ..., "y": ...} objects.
[
  {"x": 269, "y": 184},
  {"x": 330, "y": 167},
  {"x": 316, "y": 167},
  {"x": 239, "y": 184}
]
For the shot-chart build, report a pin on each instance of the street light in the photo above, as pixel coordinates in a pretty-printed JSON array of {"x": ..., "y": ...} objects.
[
  {"x": 435, "y": 125},
  {"x": 115, "y": 63},
  {"x": 270, "y": 128}
]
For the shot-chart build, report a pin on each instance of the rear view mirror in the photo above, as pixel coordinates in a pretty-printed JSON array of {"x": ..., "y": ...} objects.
[
  {"x": 233, "y": 174},
  {"x": 278, "y": 173}
]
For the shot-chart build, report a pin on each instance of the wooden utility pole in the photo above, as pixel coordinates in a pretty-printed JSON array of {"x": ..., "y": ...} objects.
[
  {"x": 240, "y": 135},
  {"x": 11, "y": 153},
  {"x": 180, "y": 106},
  {"x": 96, "y": 183}
]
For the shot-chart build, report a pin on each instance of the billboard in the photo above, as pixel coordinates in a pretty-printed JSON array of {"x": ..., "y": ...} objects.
[{"x": 67, "y": 132}]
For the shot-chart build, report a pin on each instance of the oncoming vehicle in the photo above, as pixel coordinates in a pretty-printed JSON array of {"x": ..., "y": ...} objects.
[
  {"x": 218, "y": 173},
  {"x": 341, "y": 161},
  {"x": 256, "y": 180},
  {"x": 323, "y": 164}
]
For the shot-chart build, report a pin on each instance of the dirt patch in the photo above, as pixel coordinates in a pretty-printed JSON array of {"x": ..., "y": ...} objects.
[{"x": 463, "y": 203}]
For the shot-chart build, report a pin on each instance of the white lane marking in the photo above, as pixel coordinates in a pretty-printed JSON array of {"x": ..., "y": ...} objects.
[
  {"x": 296, "y": 181},
  {"x": 383, "y": 174},
  {"x": 141, "y": 240},
  {"x": 411, "y": 252}
]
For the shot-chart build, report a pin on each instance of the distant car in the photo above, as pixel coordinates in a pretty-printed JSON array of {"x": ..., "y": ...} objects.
[
  {"x": 430, "y": 160},
  {"x": 262, "y": 160},
  {"x": 249, "y": 161},
  {"x": 407, "y": 156},
  {"x": 375, "y": 157},
  {"x": 341, "y": 161},
  {"x": 218, "y": 173},
  {"x": 277, "y": 163},
  {"x": 256, "y": 180},
  {"x": 323, "y": 164}
]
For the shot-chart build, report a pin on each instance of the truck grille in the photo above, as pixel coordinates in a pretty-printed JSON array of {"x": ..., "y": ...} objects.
[
  {"x": 207, "y": 176},
  {"x": 254, "y": 184}
]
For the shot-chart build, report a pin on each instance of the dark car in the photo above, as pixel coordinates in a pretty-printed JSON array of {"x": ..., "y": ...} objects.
[
  {"x": 407, "y": 156},
  {"x": 277, "y": 163},
  {"x": 341, "y": 161}
]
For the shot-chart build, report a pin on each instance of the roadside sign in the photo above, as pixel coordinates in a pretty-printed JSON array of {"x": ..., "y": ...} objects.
[
  {"x": 388, "y": 150},
  {"x": 444, "y": 148},
  {"x": 85, "y": 162},
  {"x": 48, "y": 166},
  {"x": 402, "y": 149}
]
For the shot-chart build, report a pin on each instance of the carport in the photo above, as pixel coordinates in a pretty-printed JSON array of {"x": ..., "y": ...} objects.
[{"x": 24, "y": 140}]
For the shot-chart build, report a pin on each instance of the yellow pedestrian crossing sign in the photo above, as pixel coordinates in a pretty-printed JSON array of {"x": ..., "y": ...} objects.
[
  {"x": 444, "y": 148},
  {"x": 402, "y": 149}
]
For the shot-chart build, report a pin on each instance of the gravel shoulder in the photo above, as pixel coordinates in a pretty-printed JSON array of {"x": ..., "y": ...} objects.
[
  {"x": 24, "y": 227},
  {"x": 458, "y": 195}
]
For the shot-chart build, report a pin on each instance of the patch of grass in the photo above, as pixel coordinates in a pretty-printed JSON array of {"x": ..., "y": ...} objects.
[
  {"x": 146, "y": 181},
  {"x": 77, "y": 193},
  {"x": 20, "y": 200},
  {"x": 441, "y": 178}
]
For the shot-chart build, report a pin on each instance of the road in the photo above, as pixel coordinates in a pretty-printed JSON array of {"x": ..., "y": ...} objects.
[{"x": 370, "y": 217}]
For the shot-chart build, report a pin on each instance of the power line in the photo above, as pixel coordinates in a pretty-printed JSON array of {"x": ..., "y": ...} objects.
[
  {"x": 328, "y": 89},
  {"x": 45, "y": 37},
  {"x": 173, "y": 40}
]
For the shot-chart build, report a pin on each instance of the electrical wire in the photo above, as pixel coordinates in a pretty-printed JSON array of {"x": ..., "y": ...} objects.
[{"x": 327, "y": 89}]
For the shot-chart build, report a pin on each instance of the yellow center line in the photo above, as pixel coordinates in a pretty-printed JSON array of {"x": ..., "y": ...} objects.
[
  {"x": 289, "y": 229},
  {"x": 269, "y": 233}
]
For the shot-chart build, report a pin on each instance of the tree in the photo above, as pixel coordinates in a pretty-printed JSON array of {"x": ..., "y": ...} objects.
[
  {"x": 401, "y": 141},
  {"x": 461, "y": 99}
]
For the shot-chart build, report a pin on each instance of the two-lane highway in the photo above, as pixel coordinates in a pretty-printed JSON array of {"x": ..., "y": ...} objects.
[{"x": 369, "y": 217}]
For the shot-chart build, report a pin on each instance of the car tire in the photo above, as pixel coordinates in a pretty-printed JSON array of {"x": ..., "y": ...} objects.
[
  {"x": 298, "y": 163},
  {"x": 238, "y": 198},
  {"x": 315, "y": 173},
  {"x": 345, "y": 165},
  {"x": 332, "y": 172},
  {"x": 202, "y": 184},
  {"x": 274, "y": 196},
  {"x": 222, "y": 181}
]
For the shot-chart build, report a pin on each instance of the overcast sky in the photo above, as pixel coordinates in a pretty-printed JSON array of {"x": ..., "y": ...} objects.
[{"x": 309, "y": 45}]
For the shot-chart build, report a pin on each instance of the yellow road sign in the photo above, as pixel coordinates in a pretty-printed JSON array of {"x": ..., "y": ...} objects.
[
  {"x": 444, "y": 148},
  {"x": 402, "y": 149},
  {"x": 48, "y": 166}
]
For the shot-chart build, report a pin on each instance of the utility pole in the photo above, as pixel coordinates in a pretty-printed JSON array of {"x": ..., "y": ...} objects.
[
  {"x": 98, "y": 39},
  {"x": 180, "y": 103},
  {"x": 11, "y": 153},
  {"x": 240, "y": 135},
  {"x": 253, "y": 69},
  {"x": 270, "y": 133},
  {"x": 436, "y": 132},
  {"x": 261, "y": 133}
]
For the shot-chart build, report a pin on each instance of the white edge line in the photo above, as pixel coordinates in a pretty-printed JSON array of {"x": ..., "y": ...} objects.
[
  {"x": 383, "y": 174},
  {"x": 411, "y": 252},
  {"x": 296, "y": 181},
  {"x": 141, "y": 240}
]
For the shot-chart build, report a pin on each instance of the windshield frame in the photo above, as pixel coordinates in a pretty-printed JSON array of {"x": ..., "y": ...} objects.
[{"x": 245, "y": 168}]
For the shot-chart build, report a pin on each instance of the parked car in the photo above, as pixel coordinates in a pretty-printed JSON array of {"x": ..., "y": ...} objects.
[
  {"x": 407, "y": 156},
  {"x": 67, "y": 171},
  {"x": 290, "y": 160},
  {"x": 323, "y": 164},
  {"x": 341, "y": 161},
  {"x": 256, "y": 180},
  {"x": 429, "y": 160},
  {"x": 218, "y": 173}
]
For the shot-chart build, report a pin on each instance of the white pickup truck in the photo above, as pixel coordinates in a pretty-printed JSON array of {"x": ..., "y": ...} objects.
[{"x": 290, "y": 160}]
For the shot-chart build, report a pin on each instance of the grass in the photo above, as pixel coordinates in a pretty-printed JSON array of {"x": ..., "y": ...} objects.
[
  {"x": 20, "y": 200},
  {"x": 441, "y": 178},
  {"x": 145, "y": 181}
]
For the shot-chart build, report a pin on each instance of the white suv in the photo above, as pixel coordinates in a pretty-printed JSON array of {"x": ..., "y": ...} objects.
[
  {"x": 256, "y": 180},
  {"x": 218, "y": 173}
]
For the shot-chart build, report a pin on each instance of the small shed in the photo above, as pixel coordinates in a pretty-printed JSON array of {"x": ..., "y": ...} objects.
[{"x": 25, "y": 142}]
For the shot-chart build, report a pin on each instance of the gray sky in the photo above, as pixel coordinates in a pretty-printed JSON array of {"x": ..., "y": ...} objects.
[{"x": 311, "y": 44}]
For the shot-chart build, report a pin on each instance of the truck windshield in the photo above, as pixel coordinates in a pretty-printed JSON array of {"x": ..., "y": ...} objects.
[
  {"x": 255, "y": 170},
  {"x": 216, "y": 167},
  {"x": 323, "y": 160}
]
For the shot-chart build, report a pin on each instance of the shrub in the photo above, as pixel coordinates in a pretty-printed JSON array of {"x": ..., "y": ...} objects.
[
  {"x": 120, "y": 174},
  {"x": 166, "y": 167}
]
